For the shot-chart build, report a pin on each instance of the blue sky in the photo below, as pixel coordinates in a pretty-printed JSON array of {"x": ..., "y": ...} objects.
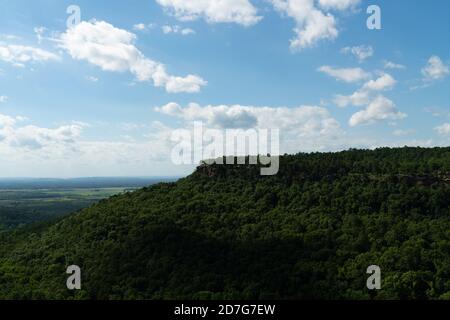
[{"x": 71, "y": 108}]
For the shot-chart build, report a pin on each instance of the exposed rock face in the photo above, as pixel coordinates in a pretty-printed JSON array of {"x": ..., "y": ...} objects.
[{"x": 207, "y": 170}]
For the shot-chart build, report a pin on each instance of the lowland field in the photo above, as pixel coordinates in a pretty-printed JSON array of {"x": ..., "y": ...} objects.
[{"x": 26, "y": 201}]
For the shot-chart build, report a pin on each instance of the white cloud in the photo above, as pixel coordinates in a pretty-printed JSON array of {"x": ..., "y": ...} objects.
[
  {"x": 189, "y": 84},
  {"x": 363, "y": 96},
  {"x": 345, "y": 74},
  {"x": 312, "y": 24},
  {"x": 213, "y": 11},
  {"x": 358, "y": 98},
  {"x": 216, "y": 116},
  {"x": 143, "y": 27},
  {"x": 443, "y": 129},
  {"x": 302, "y": 128},
  {"x": 7, "y": 121},
  {"x": 177, "y": 29},
  {"x": 4, "y": 99},
  {"x": 139, "y": 26},
  {"x": 19, "y": 55},
  {"x": 33, "y": 137},
  {"x": 113, "y": 49},
  {"x": 187, "y": 31},
  {"x": 384, "y": 82},
  {"x": 392, "y": 65},
  {"x": 360, "y": 52},
  {"x": 338, "y": 4},
  {"x": 379, "y": 109},
  {"x": 24, "y": 149},
  {"x": 435, "y": 69}
]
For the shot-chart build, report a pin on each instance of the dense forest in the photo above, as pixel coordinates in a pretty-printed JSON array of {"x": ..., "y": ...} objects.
[{"x": 226, "y": 232}]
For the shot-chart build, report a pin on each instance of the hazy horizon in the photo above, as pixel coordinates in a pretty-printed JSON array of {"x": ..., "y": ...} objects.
[{"x": 94, "y": 177}]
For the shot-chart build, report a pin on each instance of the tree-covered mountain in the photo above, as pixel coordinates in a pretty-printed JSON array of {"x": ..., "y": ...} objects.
[{"x": 225, "y": 232}]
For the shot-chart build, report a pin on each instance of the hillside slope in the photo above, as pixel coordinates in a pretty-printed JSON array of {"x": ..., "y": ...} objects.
[{"x": 225, "y": 232}]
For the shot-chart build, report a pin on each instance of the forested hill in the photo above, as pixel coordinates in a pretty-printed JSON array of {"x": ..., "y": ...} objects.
[{"x": 225, "y": 232}]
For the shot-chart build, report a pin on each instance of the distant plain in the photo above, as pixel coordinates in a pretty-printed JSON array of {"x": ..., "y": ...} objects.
[{"x": 28, "y": 201}]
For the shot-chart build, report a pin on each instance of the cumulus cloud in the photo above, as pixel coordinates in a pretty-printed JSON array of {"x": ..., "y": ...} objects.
[
  {"x": 313, "y": 23},
  {"x": 358, "y": 98},
  {"x": 33, "y": 137},
  {"x": 381, "y": 108},
  {"x": 302, "y": 128},
  {"x": 384, "y": 82},
  {"x": 20, "y": 55},
  {"x": 360, "y": 52},
  {"x": 345, "y": 74},
  {"x": 7, "y": 121},
  {"x": 217, "y": 116},
  {"x": 4, "y": 99},
  {"x": 364, "y": 95},
  {"x": 435, "y": 69},
  {"x": 213, "y": 11},
  {"x": 25, "y": 147},
  {"x": 443, "y": 129},
  {"x": 113, "y": 49},
  {"x": 378, "y": 107}
]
